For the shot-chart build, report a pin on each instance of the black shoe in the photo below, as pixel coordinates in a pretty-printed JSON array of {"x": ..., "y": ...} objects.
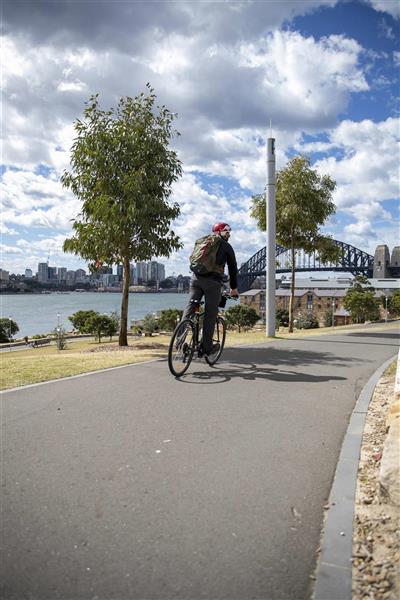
[{"x": 215, "y": 348}]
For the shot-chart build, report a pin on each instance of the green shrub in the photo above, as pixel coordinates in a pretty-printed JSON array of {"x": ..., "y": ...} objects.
[
  {"x": 60, "y": 337},
  {"x": 81, "y": 318},
  {"x": 282, "y": 317},
  {"x": 241, "y": 316},
  {"x": 150, "y": 325},
  {"x": 100, "y": 325},
  {"x": 308, "y": 321},
  {"x": 169, "y": 318}
]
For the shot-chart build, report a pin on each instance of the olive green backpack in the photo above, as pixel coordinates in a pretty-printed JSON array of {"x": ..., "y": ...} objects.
[{"x": 204, "y": 255}]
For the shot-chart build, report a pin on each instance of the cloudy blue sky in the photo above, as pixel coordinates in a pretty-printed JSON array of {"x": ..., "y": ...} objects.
[{"x": 326, "y": 72}]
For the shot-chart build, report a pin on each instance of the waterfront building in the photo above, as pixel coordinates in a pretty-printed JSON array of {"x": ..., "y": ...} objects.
[
  {"x": 43, "y": 272},
  {"x": 318, "y": 296},
  {"x": 62, "y": 274},
  {"x": 80, "y": 275},
  {"x": 52, "y": 273},
  {"x": 133, "y": 275},
  {"x": 28, "y": 274},
  {"x": 160, "y": 272},
  {"x": 70, "y": 277},
  {"x": 141, "y": 272},
  {"x": 4, "y": 275}
]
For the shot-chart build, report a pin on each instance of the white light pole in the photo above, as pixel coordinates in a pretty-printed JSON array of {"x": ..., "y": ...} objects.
[
  {"x": 271, "y": 240},
  {"x": 58, "y": 331},
  {"x": 9, "y": 324},
  {"x": 386, "y": 311}
]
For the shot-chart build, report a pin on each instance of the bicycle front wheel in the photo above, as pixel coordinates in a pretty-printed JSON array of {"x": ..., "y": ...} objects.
[
  {"x": 181, "y": 348},
  {"x": 218, "y": 338}
]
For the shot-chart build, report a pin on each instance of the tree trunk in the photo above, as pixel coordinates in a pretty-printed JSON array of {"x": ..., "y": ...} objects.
[
  {"x": 292, "y": 289},
  {"x": 123, "y": 337}
]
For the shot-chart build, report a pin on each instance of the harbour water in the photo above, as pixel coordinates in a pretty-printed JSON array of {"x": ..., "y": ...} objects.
[{"x": 37, "y": 313}]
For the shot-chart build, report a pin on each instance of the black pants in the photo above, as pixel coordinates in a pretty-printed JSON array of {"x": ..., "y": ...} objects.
[{"x": 211, "y": 289}]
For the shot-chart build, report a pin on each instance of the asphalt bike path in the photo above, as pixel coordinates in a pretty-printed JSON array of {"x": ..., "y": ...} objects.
[{"x": 130, "y": 484}]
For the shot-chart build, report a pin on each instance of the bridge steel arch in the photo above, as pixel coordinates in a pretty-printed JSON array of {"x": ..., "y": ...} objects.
[{"x": 352, "y": 260}]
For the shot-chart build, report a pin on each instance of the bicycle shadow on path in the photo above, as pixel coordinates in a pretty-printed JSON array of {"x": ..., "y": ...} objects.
[{"x": 250, "y": 363}]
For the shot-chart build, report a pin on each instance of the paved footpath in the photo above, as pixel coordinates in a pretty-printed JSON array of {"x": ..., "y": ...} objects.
[{"x": 129, "y": 484}]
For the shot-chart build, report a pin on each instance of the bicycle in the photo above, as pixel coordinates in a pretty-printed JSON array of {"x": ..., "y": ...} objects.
[{"x": 186, "y": 340}]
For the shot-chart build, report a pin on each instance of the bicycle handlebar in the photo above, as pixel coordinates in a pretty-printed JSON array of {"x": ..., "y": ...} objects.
[{"x": 228, "y": 296}]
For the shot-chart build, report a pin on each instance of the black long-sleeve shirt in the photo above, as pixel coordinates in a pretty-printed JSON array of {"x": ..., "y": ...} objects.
[{"x": 226, "y": 255}]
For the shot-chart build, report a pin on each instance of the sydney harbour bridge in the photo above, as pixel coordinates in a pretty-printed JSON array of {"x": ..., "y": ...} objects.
[{"x": 351, "y": 260}]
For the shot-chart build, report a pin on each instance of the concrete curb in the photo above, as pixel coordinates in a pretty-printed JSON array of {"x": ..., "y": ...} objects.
[{"x": 334, "y": 569}]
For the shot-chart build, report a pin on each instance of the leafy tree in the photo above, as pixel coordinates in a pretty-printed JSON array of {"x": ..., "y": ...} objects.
[
  {"x": 100, "y": 325},
  {"x": 169, "y": 318},
  {"x": 282, "y": 317},
  {"x": 303, "y": 205},
  {"x": 8, "y": 327},
  {"x": 166, "y": 284},
  {"x": 113, "y": 325},
  {"x": 80, "y": 318},
  {"x": 393, "y": 303},
  {"x": 308, "y": 321},
  {"x": 150, "y": 325},
  {"x": 122, "y": 170},
  {"x": 361, "y": 302},
  {"x": 241, "y": 316},
  {"x": 328, "y": 318}
]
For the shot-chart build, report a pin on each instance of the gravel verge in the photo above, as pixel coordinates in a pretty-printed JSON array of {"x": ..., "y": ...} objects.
[{"x": 376, "y": 534}]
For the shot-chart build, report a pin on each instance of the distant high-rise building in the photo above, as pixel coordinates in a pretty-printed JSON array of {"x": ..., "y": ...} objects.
[
  {"x": 160, "y": 272},
  {"x": 43, "y": 272},
  {"x": 80, "y": 275},
  {"x": 4, "y": 275},
  {"x": 133, "y": 275},
  {"x": 141, "y": 272},
  {"x": 70, "y": 277},
  {"x": 52, "y": 273},
  {"x": 150, "y": 271},
  {"x": 62, "y": 274},
  {"x": 28, "y": 274}
]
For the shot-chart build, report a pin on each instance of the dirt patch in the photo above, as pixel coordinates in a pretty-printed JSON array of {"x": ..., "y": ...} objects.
[
  {"x": 114, "y": 348},
  {"x": 376, "y": 535}
]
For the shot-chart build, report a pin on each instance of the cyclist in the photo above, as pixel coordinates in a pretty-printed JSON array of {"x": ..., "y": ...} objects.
[{"x": 210, "y": 285}]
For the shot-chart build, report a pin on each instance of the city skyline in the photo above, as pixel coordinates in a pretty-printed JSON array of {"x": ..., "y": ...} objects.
[
  {"x": 154, "y": 269},
  {"x": 325, "y": 72}
]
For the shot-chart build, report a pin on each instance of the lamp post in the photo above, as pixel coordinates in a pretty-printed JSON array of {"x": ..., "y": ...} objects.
[
  {"x": 9, "y": 329},
  {"x": 333, "y": 311},
  {"x": 270, "y": 216},
  {"x": 58, "y": 331},
  {"x": 386, "y": 310}
]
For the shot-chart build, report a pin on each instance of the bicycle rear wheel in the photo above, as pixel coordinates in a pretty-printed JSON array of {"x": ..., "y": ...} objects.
[
  {"x": 218, "y": 338},
  {"x": 181, "y": 348}
]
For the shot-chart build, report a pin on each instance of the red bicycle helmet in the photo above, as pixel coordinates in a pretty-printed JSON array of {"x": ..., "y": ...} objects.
[{"x": 221, "y": 227}]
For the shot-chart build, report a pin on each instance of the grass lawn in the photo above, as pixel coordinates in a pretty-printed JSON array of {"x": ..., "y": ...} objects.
[{"x": 23, "y": 367}]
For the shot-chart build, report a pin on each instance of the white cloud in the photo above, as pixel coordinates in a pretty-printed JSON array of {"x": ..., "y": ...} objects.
[
  {"x": 392, "y": 7},
  {"x": 226, "y": 68},
  {"x": 369, "y": 169},
  {"x": 367, "y": 175},
  {"x": 4, "y": 230}
]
